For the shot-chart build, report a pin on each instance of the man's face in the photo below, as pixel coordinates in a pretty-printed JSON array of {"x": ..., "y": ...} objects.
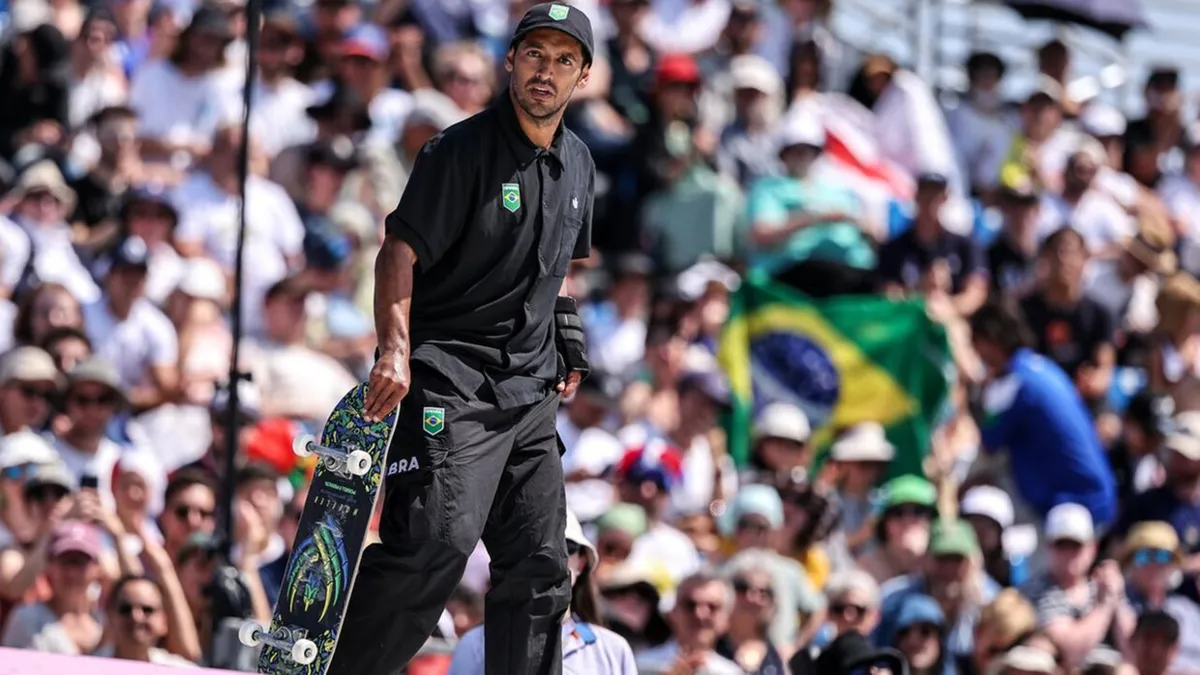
[
  {"x": 126, "y": 284},
  {"x": 284, "y": 316},
  {"x": 547, "y": 66},
  {"x": 753, "y": 531},
  {"x": 41, "y": 207},
  {"x": 1153, "y": 652},
  {"x": 207, "y": 48},
  {"x": 467, "y": 82},
  {"x": 91, "y": 406},
  {"x": 930, "y": 199},
  {"x": 191, "y": 510},
  {"x": 263, "y": 495},
  {"x": 358, "y": 72},
  {"x": 139, "y": 613},
  {"x": 117, "y": 136},
  {"x": 1082, "y": 172},
  {"x": 98, "y": 38},
  {"x": 1071, "y": 558},
  {"x": 677, "y": 100},
  {"x": 131, "y": 492},
  {"x": 1067, "y": 259},
  {"x": 702, "y": 613},
  {"x": 1041, "y": 116},
  {"x": 149, "y": 220},
  {"x": 699, "y": 411}
]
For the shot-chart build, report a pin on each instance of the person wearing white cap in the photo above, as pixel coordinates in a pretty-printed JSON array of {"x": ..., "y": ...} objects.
[
  {"x": 747, "y": 151},
  {"x": 20, "y": 452},
  {"x": 779, "y": 442},
  {"x": 804, "y": 215},
  {"x": 989, "y": 510},
  {"x": 588, "y": 647},
  {"x": 859, "y": 457},
  {"x": 1078, "y": 611},
  {"x": 28, "y": 380}
]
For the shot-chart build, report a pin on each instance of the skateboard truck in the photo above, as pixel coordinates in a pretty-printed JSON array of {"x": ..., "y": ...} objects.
[
  {"x": 356, "y": 462},
  {"x": 303, "y": 650}
]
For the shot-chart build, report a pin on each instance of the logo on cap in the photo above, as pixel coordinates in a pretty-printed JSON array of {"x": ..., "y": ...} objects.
[
  {"x": 510, "y": 196},
  {"x": 559, "y": 12}
]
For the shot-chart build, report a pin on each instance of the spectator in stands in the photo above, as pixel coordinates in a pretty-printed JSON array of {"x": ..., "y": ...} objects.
[
  {"x": 139, "y": 620},
  {"x": 1022, "y": 660},
  {"x": 258, "y": 485},
  {"x": 137, "y": 488},
  {"x": 189, "y": 507},
  {"x": 1181, "y": 192},
  {"x": 93, "y": 397},
  {"x": 1035, "y": 151},
  {"x": 1002, "y": 624},
  {"x": 780, "y": 450},
  {"x": 989, "y": 510},
  {"x": 853, "y": 602},
  {"x": 1072, "y": 329},
  {"x": 1151, "y": 560},
  {"x": 69, "y": 621},
  {"x": 982, "y": 125},
  {"x": 1177, "y": 500},
  {"x": 362, "y": 67},
  {"x": 700, "y": 616},
  {"x": 920, "y": 632},
  {"x": 756, "y": 514},
  {"x": 804, "y": 217},
  {"x": 1083, "y": 206},
  {"x": 860, "y": 455},
  {"x": 954, "y": 578},
  {"x": 279, "y": 116},
  {"x": 743, "y": 36},
  {"x": 1163, "y": 123},
  {"x": 46, "y": 308},
  {"x": 1012, "y": 257},
  {"x": 1173, "y": 354},
  {"x": 1079, "y": 612},
  {"x": 1135, "y": 456},
  {"x": 1155, "y": 643},
  {"x": 466, "y": 74},
  {"x": 95, "y": 81},
  {"x": 589, "y": 449},
  {"x": 197, "y": 309},
  {"x": 68, "y": 347},
  {"x": 34, "y": 89},
  {"x": 927, "y": 258},
  {"x": 900, "y": 532},
  {"x": 647, "y": 476},
  {"x": 1129, "y": 285},
  {"x": 1032, "y": 410},
  {"x": 117, "y": 168},
  {"x": 42, "y": 250},
  {"x": 130, "y": 333},
  {"x": 748, "y": 146},
  {"x": 616, "y": 531},
  {"x": 148, "y": 214},
  {"x": 28, "y": 382},
  {"x": 179, "y": 101},
  {"x": 747, "y": 641}
]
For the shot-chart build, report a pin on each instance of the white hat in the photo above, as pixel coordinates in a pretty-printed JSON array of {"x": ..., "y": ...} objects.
[
  {"x": 1100, "y": 120},
  {"x": 575, "y": 534},
  {"x": 1024, "y": 658},
  {"x": 990, "y": 502},
  {"x": 1070, "y": 522},
  {"x": 25, "y": 447},
  {"x": 695, "y": 280},
  {"x": 801, "y": 127},
  {"x": 754, "y": 72},
  {"x": 782, "y": 420},
  {"x": 204, "y": 279},
  {"x": 1185, "y": 435},
  {"x": 863, "y": 442}
]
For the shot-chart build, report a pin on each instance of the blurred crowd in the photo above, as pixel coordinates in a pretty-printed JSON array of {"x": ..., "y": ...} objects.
[{"x": 1055, "y": 524}]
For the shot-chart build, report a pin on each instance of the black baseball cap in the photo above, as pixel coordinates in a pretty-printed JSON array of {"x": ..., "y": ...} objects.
[{"x": 558, "y": 16}]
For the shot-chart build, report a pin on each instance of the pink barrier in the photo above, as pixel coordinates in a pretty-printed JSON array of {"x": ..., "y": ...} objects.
[{"x": 24, "y": 662}]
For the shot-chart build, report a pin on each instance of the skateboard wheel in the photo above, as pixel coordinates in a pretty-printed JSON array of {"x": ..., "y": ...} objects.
[
  {"x": 300, "y": 445},
  {"x": 304, "y": 652},
  {"x": 358, "y": 463},
  {"x": 250, "y": 634}
]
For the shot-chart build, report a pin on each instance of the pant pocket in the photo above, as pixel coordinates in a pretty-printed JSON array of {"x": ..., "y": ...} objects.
[{"x": 414, "y": 458}]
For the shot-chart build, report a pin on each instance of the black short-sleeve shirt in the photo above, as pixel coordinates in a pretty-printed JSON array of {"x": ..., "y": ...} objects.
[
  {"x": 905, "y": 259},
  {"x": 494, "y": 221},
  {"x": 1069, "y": 336}
]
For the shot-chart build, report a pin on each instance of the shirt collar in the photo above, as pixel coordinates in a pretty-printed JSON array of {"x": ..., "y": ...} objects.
[{"x": 523, "y": 148}]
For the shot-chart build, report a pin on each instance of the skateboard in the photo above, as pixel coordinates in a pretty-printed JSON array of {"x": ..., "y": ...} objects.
[{"x": 329, "y": 540}]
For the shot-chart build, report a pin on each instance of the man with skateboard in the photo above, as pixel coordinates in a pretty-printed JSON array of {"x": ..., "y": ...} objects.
[{"x": 477, "y": 340}]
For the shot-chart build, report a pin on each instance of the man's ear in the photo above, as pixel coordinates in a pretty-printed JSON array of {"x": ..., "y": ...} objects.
[
  {"x": 583, "y": 76},
  {"x": 508, "y": 59}
]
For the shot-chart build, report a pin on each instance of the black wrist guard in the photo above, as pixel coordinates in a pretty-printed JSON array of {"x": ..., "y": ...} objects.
[{"x": 569, "y": 338}]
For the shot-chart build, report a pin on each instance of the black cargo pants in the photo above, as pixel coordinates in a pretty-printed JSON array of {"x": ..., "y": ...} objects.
[{"x": 459, "y": 470}]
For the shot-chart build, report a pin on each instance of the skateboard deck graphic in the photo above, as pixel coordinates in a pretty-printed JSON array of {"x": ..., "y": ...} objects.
[{"x": 329, "y": 541}]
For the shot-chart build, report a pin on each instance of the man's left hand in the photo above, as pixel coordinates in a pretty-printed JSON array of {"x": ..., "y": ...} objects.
[{"x": 568, "y": 387}]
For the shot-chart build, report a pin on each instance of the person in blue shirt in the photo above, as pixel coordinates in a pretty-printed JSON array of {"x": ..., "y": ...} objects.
[{"x": 1031, "y": 409}]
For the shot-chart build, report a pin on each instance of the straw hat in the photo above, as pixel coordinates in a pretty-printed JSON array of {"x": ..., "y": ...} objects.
[{"x": 45, "y": 176}]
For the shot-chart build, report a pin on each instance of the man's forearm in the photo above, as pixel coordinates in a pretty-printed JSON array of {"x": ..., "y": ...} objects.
[{"x": 393, "y": 294}]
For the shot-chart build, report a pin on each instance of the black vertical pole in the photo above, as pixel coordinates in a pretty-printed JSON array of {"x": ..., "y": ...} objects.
[{"x": 253, "y": 21}]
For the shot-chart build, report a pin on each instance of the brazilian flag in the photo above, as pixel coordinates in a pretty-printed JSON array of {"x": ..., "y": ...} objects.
[{"x": 843, "y": 360}]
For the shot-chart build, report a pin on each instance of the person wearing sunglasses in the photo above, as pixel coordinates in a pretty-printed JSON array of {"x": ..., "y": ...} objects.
[
  {"x": 20, "y": 453},
  {"x": 920, "y": 629},
  {"x": 747, "y": 642},
  {"x": 92, "y": 399},
  {"x": 902, "y": 528},
  {"x": 587, "y": 646},
  {"x": 700, "y": 616},
  {"x": 138, "y": 620},
  {"x": 1152, "y": 560},
  {"x": 189, "y": 507},
  {"x": 29, "y": 382}
]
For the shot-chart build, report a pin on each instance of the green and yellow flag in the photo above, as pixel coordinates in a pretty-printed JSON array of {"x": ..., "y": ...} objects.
[{"x": 843, "y": 360}]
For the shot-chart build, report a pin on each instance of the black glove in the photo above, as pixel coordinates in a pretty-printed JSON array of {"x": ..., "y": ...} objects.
[{"x": 569, "y": 339}]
